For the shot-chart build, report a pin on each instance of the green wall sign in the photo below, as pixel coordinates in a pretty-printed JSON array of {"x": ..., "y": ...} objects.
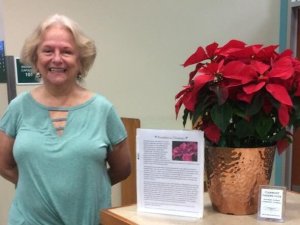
[{"x": 24, "y": 74}]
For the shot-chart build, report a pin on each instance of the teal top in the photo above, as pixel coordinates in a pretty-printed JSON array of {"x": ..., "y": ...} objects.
[{"x": 63, "y": 180}]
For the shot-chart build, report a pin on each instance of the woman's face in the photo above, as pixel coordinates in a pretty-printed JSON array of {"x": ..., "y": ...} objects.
[{"x": 58, "y": 57}]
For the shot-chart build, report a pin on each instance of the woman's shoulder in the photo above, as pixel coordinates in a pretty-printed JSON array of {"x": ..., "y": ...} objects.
[
  {"x": 102, "y": 99},
  {"x": 17, "y": 105},
  {"x": 19, "y": 99}
]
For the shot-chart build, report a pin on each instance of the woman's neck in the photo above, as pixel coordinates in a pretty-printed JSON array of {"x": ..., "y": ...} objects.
[{"x": 60, "y": 97}]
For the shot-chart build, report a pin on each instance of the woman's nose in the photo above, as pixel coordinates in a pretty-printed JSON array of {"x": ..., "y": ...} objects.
[{"x": 57, "y": 56}]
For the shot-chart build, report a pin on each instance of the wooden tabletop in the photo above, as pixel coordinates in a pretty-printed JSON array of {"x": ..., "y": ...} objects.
[{"x": 128, "y": 215}]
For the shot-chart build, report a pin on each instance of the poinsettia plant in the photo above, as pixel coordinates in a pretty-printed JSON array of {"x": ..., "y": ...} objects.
[{"x": 242, "y": 95}]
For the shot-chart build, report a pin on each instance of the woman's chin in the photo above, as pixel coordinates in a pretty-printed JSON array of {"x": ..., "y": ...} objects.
[{"x": 56, "y": 82}]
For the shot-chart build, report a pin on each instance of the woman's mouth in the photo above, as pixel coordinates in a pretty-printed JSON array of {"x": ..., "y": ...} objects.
[{"x": 57, "y": 70}]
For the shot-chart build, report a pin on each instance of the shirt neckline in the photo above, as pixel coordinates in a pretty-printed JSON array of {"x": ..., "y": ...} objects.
[{"x": 62, "y": 108}]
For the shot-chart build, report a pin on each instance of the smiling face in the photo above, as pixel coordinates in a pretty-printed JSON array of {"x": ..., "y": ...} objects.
[{"x": 58, "y": 57}]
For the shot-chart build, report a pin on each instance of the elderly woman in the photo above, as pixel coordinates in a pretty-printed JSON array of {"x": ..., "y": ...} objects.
[{"x": 57, "y": 140}]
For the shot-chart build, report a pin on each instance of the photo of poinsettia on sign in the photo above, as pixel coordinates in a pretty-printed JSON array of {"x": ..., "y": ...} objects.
[
  {"x": 184, "y": 151},
  {"x": 242, "y": 95}
]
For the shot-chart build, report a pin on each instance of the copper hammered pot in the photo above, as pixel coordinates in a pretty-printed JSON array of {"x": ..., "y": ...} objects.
[{"x": 234, "y": 176}]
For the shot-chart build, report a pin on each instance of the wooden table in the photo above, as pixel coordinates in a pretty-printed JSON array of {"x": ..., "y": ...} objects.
[{"x": 129, "y": 215}]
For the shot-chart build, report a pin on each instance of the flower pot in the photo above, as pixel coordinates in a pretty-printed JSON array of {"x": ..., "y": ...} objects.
[{"x": 234, "y": 176}]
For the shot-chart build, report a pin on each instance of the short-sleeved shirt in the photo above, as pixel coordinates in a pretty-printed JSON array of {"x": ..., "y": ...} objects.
[{"x": 63, "y": 180}]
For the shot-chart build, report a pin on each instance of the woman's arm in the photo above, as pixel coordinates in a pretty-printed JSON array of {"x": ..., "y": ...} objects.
[
  {"x": 8, "y": 166},
  {"x": 119, "y": 162}
]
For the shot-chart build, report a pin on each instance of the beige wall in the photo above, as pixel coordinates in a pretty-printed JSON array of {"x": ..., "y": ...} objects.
[
  {"x": 3, "y": 98},
  {"x": 142, "y": 43}
]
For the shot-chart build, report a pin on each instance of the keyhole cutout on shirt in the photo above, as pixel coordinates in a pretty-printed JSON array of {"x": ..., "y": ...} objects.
[{"x": 59, "y": 120}]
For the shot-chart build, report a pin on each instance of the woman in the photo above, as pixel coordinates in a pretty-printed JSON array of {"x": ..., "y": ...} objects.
[{"x": 57, "y": 139}]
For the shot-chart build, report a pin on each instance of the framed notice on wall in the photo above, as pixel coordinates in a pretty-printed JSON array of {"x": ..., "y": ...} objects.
[
  {"x": 24, "y": 74},
  {"x": 2, "y": 63}
]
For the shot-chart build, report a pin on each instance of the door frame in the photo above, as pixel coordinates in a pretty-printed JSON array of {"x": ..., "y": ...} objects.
[{"x": 288, "y": 38}]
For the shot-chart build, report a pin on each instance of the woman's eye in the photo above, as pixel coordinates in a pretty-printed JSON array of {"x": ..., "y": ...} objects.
[
  {"x": 47, "y": 51},
  {"x": 67, "y": 52}
]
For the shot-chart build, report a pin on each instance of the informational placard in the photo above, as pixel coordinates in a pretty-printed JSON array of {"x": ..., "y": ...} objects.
[
  {"x": 170, "y": 172},
  {"x": 24, "y": 74},
  {"x": 2, "y": 63},
  {"x": 271, "y": 203}
]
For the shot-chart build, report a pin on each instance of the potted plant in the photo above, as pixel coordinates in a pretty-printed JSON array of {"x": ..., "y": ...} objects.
[{"x": 243, "y": 97}]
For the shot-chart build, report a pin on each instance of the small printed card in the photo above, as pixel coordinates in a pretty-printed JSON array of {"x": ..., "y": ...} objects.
[{"x": 271, "y": 203}]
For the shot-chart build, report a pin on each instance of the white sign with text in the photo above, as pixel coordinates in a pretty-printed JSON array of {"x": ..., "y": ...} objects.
[
  {"x": 272, "y": 203},
  {"x": 170, "y": 172}
]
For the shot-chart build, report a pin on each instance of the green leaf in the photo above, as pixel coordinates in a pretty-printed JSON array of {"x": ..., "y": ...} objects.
[
  {"x": 263, "y": 125},
  {"x": 244, "y": 129},
  {"x": 185, "y": 116},
  {"x": 197, "y": 113},
  {"x": 240, "y": 112},
  {"x": 221, "y": 115},
  {"x": 255, "y": 106},
  {"x": 280, "y": 135},
  {"x": 295, "y": 118}
]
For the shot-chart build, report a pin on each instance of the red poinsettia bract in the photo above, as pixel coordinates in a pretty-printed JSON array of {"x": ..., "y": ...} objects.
[{"x": 244, "y": 95}]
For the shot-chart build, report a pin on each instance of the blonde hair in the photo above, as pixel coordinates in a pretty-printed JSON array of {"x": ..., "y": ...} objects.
[{"x": 86, "y": 46}]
